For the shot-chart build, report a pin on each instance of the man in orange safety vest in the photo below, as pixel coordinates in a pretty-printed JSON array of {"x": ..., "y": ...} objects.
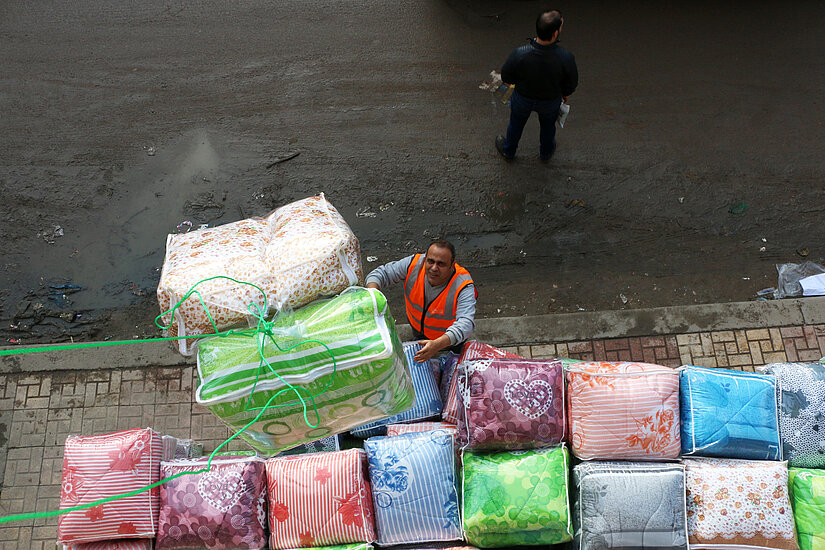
[{"x": 439, "y": 296}]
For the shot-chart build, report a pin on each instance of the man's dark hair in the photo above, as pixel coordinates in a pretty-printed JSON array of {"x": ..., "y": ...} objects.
[
  {"x": 547, "y": 23},
  {"x": 443, "y": 243}
]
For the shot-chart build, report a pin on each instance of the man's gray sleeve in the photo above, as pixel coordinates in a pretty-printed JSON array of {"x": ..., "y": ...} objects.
[
  {"x": 465, "y": 312},
  {"x": 390, "y": 273}
]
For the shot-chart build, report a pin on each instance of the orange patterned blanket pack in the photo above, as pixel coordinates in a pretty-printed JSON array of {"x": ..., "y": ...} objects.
[
  {"x": 300, "y": 252},
  {"x": 623, "y": 411}
]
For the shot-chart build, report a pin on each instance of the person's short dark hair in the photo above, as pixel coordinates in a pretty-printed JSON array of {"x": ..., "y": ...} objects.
[
  {"x": 443, "y": 243},
  {"x": 547, "y": 23}
]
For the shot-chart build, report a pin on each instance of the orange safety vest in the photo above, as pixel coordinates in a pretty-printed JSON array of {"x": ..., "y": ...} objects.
[{"x": 440, "y": 313}]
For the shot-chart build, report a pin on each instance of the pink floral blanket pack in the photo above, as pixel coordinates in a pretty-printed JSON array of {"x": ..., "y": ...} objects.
[
  {"x": 103, "y": 466},
  {"x": 319, "y": 499},
  {"x": 511, "y": 404}
]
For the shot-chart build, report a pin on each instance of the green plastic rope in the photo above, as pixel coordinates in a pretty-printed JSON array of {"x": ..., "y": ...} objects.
[{"x": 262, "y": 327}]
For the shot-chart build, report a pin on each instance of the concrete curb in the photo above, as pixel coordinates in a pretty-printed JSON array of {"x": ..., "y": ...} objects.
[{"x": 500, "y": 331}]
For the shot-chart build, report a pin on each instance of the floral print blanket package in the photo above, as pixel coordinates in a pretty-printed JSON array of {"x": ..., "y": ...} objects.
[
  {"x": 344, "y": 351},
  {"x": 630, "y": 505},
  {"x": 413, "y": 488},
  {"x": 102, "y": 466},
  {"x": 808, "y": 499},
  {"x": 298, "y": 253},
  {"x": 516, "y": 498},
  {"x": 729, "y": 414},
  {"x": 221, "y": 509},
  {"x": 418, "y": 427},
  {"x": 511, "y": 404},
  {"x": 427, "y": 402},
  {"x": 623, "y": 411},
  {"x": 801, "y": 389},
  {"x": 738, "y": 503},
  {"x": 319, "y": 499},
  {"x": 472, "y": 350}
]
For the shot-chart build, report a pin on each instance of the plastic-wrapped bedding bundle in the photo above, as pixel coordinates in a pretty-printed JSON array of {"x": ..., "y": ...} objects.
[
  {"x": 738, "y": 504},
  {"x": 354, "y": 546},
  {"x": 413, "y": 488},
  {"x": 472, "y": 350},
  {"x": 427, "y": 402},
  {"x": 728, "y": 414},
  {"x": 630, "y": 505},
  {"x": 801, "y": 394},
  {"x": 516, "y": 498},
  {"x": 319, "y": 499},
  {"x": 103, "y": 466},
  {"x": 511, "y": 404},
  {"x": 122, "y": 544},
  {"x": 298, "y": 253},
  {"x": 624, "y": 411},
  {"x": 808, "y": 499},
  {"x": 418, "y": 427},
  {"x": 323, "y": 445},
  {"x": 368, "y": 378},
  {"x": 221, "y": 509}
]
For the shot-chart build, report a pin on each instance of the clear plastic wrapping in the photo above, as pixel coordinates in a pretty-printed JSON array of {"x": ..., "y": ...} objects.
[{"x": 342, "y": 354}]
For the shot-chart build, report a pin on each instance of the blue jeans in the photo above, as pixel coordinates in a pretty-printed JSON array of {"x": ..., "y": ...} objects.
[{"x": 520, "y": 109}]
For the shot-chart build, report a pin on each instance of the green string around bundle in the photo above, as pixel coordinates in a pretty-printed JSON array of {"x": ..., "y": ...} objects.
[{"x": 262, "y": 327}]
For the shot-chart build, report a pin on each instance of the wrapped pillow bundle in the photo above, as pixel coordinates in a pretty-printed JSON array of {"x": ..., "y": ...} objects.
[
  {"x": 630, "y": 505},
  {"x": 738, "y": 503},
  {"x": 221, "y": 509},
  {"x": 427, "y": 402},
  {"x": 300, "y": 252},
  {"x": 418, "y": 427},
  {"x": 729, "y": 414},
  {"x": 103, "y": 466},
  {"x": 808, "y": 499},
  {"x": 413, "y": 488},
  {"x": 623, "y": 411},
  {"x": 801, "y": 391},
  {"x": 472, "y": 350},
  {"x": 343, "y": 351},
  {"x": 511, "y": 404},
  {"x": 516, "y": 498},
  {"x": 319, "y": 499}
]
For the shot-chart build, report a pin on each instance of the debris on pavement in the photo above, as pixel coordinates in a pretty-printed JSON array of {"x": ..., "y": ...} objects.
[
  {"x": 282, "y": 159},
  {"x": 50, "y": 234},
  {"x": 790, "y": 276}
]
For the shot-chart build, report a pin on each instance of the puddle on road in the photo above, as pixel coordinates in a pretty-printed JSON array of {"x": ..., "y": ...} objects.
[{"x": 118, "y": 256}]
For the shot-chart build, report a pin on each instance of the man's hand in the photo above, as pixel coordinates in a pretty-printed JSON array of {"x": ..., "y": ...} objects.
[
  {"x": 430, "y": 347},
  {"x": 373, "y": 285}
]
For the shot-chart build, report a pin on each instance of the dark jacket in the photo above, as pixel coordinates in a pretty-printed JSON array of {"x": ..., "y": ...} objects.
[{"x": 541, "y": 72}]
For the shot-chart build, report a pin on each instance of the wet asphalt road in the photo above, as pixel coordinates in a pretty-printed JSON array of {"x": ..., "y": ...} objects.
[{"x": 694, "y": 141}]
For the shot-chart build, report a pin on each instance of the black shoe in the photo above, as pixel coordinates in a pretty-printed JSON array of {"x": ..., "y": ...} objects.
[
  {"x": 548, "y": 157},
  {"x": 500, "y": 148}
]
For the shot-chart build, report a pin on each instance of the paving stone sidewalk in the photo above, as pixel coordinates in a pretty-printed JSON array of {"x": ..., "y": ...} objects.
[{"x": 38, "y": 409}]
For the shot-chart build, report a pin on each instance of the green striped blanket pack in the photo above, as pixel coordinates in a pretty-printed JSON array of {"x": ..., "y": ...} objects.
[{"x": 342, "y": 354}]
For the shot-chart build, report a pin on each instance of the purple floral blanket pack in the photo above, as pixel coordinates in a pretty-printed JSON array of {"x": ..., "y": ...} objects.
[
  {"x": 511, "y": 404},
  {"x": 220, "y": 509}
]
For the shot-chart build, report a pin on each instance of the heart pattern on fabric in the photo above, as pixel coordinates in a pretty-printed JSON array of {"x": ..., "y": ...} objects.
[
  {"x": 222, "y": 490},
  {"x": 530, "y": 399}
]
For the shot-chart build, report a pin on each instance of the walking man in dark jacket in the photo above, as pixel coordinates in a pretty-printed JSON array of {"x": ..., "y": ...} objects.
[{"x": 544, "y": 74}]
